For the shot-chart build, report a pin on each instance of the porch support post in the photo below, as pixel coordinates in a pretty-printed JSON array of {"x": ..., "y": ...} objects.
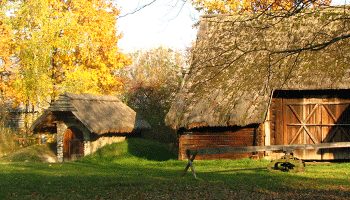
[
  {"x": 267, "y": 130},
  {"x": 61, "y": 128},
  {"x": 87, "y": 142}
]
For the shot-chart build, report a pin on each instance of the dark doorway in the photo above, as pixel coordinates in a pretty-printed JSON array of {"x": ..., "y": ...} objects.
[{"x": 73, "y": 144}]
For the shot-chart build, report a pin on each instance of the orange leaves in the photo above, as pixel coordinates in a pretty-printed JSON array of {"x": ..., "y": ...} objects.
[{"x": 95, "y": 55}]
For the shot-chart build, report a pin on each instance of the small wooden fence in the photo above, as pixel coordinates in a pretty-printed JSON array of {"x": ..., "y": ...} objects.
[
  {"x": 27, "y": 141},
  {"x": 285, "y": 163}
]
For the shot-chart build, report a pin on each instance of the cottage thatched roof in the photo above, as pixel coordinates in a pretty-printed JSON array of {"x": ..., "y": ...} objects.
[
  {"x": 238, "y": 61},
  {"x": 99, "y": 114}
]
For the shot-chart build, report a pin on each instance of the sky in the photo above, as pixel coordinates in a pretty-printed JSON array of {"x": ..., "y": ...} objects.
[{"x": 163, "y": 23}]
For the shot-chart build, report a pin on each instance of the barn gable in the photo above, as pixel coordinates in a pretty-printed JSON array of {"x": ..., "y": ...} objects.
[
  {"x": 237, "y": 63},
  {"x": 240, "y": 61}
]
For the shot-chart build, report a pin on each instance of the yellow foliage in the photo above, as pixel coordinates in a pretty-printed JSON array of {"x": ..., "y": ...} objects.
[
  {"x": 81, "y": 81},
  {"x": 5, "y": 39},
  {"x": 5, "y": 51},
  {"x": 66, "y": 46}
]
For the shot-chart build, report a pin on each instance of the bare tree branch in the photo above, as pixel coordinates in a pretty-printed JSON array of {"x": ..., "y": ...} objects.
[
  {"x": 316, "y": 47},
  {"x": 138, "y": 9}
]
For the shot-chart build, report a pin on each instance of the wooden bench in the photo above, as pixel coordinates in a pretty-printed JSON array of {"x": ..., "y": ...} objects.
[{"x": 286, "y": 163}]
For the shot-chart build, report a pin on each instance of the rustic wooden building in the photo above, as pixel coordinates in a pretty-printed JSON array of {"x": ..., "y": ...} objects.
[
  {"x": 267, "y": 80},
  {"x": 83, "y": 123}
]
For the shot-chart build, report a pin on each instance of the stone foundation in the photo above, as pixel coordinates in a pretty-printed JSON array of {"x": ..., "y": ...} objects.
[{"x": 92, "y": 146}]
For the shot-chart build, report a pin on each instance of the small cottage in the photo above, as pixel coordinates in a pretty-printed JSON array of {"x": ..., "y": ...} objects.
[
  {"x": 81, "y": 124},
  {"x": 260, "y": 80}
]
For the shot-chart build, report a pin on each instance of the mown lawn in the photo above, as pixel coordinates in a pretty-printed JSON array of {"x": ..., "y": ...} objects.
[{"x": 140, "y": 169}]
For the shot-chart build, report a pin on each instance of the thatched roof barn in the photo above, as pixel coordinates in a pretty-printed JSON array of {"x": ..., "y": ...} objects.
[
  {"x": 241, "y": 64},
  {"x": 100, "y": 114},
  {"x": 96, "y": 117}
]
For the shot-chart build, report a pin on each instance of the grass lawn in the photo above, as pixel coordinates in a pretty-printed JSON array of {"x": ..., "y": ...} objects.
[{"x": 140, "y": 169}]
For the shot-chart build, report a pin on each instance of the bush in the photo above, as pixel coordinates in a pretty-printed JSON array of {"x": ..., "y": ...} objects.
[
  {"x": 8, "y": 142},
  {"x": 34, "y": 153}
]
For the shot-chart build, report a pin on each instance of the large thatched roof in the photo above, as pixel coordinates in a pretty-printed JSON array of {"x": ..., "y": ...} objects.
[
  {"x": 238, "y": 61},
  {"x": 99, "y": 114}
]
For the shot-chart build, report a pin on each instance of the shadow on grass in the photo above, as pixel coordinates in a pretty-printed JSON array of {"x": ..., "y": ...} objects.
[
  {"x": 150, "y": 150},
  {"x": 241, "y": 169}
]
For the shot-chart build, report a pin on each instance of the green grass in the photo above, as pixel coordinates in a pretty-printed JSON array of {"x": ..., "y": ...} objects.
[{"x": 141, "y": 169}]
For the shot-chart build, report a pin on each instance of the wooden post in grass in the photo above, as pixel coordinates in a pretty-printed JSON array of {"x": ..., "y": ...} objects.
[{"x": 190, "y": 163}]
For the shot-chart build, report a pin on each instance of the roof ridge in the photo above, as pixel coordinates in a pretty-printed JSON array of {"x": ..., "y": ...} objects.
[
  {"x": 306, "y": 11},
  {"x": 91, "y": 97}
]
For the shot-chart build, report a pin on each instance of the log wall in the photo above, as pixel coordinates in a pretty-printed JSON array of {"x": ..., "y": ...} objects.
[{"x": 211, "y": 138}]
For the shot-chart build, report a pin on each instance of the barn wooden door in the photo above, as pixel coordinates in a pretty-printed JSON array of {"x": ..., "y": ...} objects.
[
  {"x": 73, "y": 145},
  {"x": 336, "y": 128},
  {"x": 316, "y": 120}
]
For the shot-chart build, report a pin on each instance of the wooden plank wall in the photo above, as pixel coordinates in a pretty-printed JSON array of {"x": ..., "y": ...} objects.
[
  {"x": 245, "y": 136},
  {"x": 320, "y": 112},
  {"x": 276, "y": 121}
]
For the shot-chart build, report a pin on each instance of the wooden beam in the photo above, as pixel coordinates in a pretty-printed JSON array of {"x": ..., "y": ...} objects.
[
  {"x": 313, "y": 102},
  {"x": 286, "y": 148},
  {"x": 292, "y": 124},
  {"x": 190, "y": 163},
  {"x": 310, "y": 134}
]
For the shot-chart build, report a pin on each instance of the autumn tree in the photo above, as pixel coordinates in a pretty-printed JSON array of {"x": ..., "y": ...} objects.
[
  {"x": 66, "y": 46},
  {"x": 151, "y": 84},
  {"x": 5, "y": 48},
  {"x": 5, "y": 38}
]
